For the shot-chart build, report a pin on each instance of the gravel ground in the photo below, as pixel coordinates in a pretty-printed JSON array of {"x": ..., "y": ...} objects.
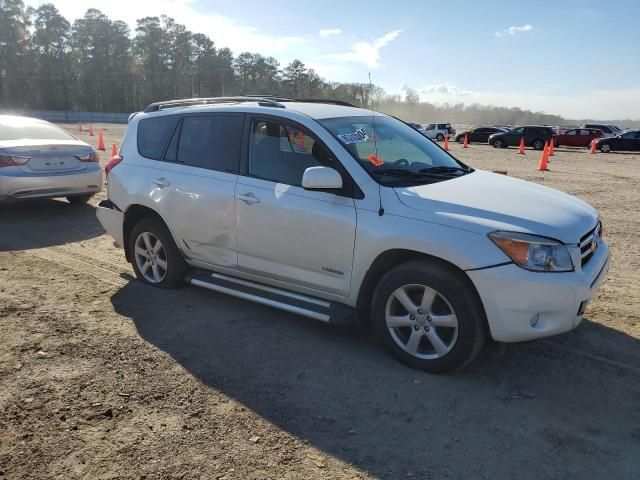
[{"x": 103, "y": 377}]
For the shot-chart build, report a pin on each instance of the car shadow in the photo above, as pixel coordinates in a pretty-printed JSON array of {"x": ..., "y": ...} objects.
[
  {"x": 45, "y": 223},
  {"x": 567, "y": 405}
]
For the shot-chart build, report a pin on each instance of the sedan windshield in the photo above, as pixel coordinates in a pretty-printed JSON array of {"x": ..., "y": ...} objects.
[
  {"x": 31, "y": 130},
  {"x": 393, "y": 152}
]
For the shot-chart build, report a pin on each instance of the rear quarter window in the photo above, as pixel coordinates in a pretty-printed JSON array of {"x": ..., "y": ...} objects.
[{"x": 153, "y": 135}]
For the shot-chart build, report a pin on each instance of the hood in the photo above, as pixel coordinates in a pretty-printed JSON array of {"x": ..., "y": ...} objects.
[{"x": 483, "y": 202}]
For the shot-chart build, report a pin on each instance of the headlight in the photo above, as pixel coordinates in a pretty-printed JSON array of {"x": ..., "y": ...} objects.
[{"x": 533, "y": 252}]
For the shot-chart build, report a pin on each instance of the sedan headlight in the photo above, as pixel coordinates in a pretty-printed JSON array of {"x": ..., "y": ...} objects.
[{"x": 533, "y": 252}]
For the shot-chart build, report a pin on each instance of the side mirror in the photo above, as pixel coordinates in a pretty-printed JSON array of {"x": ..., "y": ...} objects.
[{"x": 321, "y": 178}]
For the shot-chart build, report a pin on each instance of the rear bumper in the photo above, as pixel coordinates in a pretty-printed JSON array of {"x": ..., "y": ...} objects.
[
  {"x": 112, "y": 220},
  {"x": 23, "y": 186},
  {"x": 521, "y": 305}
]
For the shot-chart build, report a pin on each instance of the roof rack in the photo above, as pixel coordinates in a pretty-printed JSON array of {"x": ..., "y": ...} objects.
[
  {"x": 328, "y": 101},
  {"x": 263, "y": 101}
]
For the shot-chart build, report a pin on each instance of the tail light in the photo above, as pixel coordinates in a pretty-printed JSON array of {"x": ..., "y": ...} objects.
[
  {"x": 112, "y": 162},
  {"x": 12, "y": 160},
  {"x": 89, "y": 157}
]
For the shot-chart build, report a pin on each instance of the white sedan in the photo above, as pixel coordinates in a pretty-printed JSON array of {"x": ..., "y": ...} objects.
[{"x": 41, "y": 160}]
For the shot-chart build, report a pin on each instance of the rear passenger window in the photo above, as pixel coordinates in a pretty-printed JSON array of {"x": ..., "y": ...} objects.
[
  {"x": 153, "y": 135},
  {"x": 211, "y": 142}
]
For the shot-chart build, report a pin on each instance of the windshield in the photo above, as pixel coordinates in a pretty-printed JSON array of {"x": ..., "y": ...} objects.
[
  {"x": 391, "y": 151},
  {"x": 32, "y": 130}
]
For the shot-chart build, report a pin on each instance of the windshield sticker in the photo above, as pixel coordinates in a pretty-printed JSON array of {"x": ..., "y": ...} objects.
[
  {"x": 375, "y": 160},
  {"x": 356, "y": 137}
]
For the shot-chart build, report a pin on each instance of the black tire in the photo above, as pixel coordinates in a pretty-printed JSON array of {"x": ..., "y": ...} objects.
[
  {"x": 605, "y": 147},
  {"x": 79, "y": 199},
  {"x": 499, "y": 143},
  {"x": 177, "y": 269},
  {"x": 460, "y": 296},
  {"x": 538, "y": 144},
  {"x": 440, "y": 137},
  {"x": 460, "y": 140}
]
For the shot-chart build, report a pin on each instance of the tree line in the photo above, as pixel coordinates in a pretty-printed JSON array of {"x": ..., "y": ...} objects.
[{"x": 98, "y": 64}]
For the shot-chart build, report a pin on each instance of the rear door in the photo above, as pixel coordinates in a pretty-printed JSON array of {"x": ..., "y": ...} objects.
[
  {"x": 193, "y": 187},
  {"x": 286, "y": 233}
]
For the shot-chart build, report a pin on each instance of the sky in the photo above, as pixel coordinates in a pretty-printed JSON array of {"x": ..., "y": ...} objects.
[{"x": 579, "y": 59}]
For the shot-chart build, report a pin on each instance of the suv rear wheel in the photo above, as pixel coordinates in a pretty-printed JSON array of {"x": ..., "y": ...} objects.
[
  {"x": 428, "y": 318},
  {"x": 155, "y": 257},
  {"x": 440, "y": 137}
]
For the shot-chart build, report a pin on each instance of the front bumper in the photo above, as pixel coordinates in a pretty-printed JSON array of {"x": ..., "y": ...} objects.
[
  {"x": 522, "y": 305},
  {"x": 15, "y": 186}
]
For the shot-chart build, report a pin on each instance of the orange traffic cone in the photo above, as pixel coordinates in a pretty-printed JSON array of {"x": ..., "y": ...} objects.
[
  {"x": 466, "y": 142},
  {"x": 593, "y": 146},
  {"x": 101, "y": 141},
  {"x": 114, "y": 150},
  {"x": 91, "y": 129},
  {"x": 551, "y": 147},
  {"x": 79, "y": 127},
  {"x": 544, "y": 159},
  {"x": 446, "y": 143},
  {"x": 521, "y": 151}
]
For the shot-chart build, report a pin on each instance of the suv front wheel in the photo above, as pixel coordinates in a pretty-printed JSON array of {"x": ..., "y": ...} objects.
[
  {"x": 428, "y": 318},
  {"x": 155, "y": 257}
]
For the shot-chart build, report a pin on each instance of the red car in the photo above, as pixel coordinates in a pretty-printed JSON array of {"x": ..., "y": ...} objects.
[{"x": 578, "y": 137}]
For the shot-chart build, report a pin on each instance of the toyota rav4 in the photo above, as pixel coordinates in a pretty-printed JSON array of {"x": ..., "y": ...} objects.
[{"x": 335, "y": 212}]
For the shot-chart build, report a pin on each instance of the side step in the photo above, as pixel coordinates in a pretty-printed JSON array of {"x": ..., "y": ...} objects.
[{"x": 293, "y": 302}]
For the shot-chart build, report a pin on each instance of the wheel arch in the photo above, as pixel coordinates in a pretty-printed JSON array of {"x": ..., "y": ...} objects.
[
  {"x": 391, "y": 258},
  {"x": 132, "y": 215}
]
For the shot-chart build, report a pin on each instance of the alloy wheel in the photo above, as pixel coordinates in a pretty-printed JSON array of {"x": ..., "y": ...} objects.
[
  {"x": 421, "y": 321},
  {"x": 150, "y": 257}
]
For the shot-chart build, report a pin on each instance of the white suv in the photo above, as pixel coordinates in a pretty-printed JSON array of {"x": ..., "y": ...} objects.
[
  {"x": 326, "y": 210},
  {"x": 438, "y": 131}
]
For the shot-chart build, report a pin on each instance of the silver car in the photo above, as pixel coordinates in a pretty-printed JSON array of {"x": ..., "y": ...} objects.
[{"x": 41, "y": 160}]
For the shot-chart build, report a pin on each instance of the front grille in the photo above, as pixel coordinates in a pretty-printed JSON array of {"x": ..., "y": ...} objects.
[{"x": 589, "y": 243}]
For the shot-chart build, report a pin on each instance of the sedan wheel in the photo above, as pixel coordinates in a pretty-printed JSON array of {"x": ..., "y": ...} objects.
[
  {"x": 605, "y": 148},
  {"x": 150, "y": 257},
  {"x": 421, "y": 321},
  {"x": 498, "y": 143}
]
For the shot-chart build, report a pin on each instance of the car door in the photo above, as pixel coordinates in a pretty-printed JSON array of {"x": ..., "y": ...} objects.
[
  {"x": 627, "y": 141},
  {"x": 482, "y": 134},
  {"x": 513, "y": 137},
  {"x": 284, "y": 232},
  {"x": 571, "y": 138},
  {"x": 195, "y": 186}
]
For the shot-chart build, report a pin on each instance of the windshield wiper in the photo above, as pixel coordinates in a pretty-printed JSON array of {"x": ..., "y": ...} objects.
[
  {"x": 443, "y": 169},
  {"x": 399, "y": 171}
]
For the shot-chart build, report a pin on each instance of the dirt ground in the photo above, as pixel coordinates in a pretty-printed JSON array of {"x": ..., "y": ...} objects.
[{"x": 102, "y": 377}]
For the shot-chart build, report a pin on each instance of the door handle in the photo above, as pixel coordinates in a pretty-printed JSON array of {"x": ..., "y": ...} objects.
[
  {"x": 161, "y": 182},
  {"x": 249, "y": 198}
]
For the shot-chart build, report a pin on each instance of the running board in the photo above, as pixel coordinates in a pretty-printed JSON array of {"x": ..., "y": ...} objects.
[{"x": 297, "y": 303}]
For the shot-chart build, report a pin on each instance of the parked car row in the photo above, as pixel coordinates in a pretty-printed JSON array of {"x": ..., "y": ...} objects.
[{"x": 535, "y": 136}]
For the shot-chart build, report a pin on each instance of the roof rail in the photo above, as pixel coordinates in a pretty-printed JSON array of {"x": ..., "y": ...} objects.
[
  {"x": 263, "y": 101},
  {"x": 321, "y": 100},
  {"x": 304, "y": 100}
]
